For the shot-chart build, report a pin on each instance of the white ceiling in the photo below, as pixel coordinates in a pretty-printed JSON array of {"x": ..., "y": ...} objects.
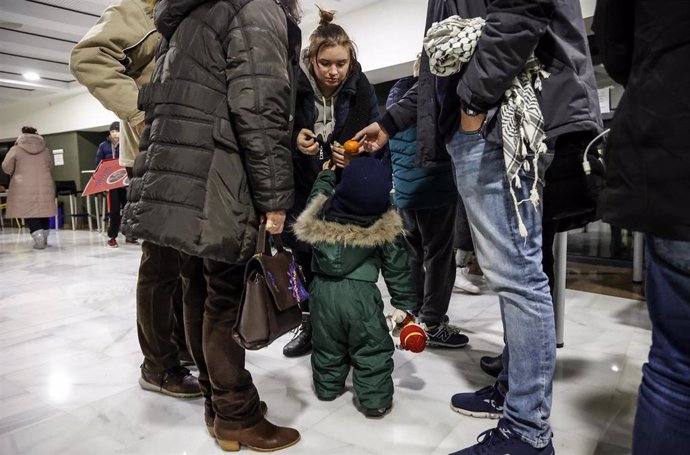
[{"x": 38, "y": 35}]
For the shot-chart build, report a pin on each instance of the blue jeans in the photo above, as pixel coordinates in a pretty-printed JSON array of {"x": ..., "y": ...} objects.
[
  {"x": 512, "y": 266},
  {"x": 662, "y": 423}
]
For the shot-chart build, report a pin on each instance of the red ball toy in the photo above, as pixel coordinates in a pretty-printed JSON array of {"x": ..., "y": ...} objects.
[{"x": 413, "y": 338}]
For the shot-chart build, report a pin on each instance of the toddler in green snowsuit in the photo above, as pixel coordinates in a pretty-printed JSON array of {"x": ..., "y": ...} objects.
[{"x": 355, "y": 234}]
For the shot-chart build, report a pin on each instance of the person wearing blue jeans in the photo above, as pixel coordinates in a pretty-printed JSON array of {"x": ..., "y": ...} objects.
[
  {"x": 645, "y": 46},
  {"x": 460, "y": 115},
  {"x": 512, "y": 265}
]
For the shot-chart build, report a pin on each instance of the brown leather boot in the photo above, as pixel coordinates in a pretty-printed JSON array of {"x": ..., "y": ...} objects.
[
  {"x": 210, "y": 419},
  {"x": 262, "y": 437}
]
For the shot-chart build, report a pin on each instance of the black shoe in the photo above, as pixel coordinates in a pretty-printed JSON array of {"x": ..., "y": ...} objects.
[
  {"x": 492, "y": 365},
  {"x": 301, "y": 342}
]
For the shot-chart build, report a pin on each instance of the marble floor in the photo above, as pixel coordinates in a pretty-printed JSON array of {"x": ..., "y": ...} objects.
[{"x": 69, "y": 363}]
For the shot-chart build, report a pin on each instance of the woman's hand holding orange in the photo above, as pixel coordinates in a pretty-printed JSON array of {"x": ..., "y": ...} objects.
[{"x": 339, "y": 156}]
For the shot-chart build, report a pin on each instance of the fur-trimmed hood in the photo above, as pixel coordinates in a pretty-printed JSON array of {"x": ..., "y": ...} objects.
[{"x": 311, "y": 228}]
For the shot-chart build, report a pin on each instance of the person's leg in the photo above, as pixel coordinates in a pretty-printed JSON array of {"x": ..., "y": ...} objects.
[
  {"x": 436, "y": 232},
  {"x": 464, "y": 247},
  {"x": 301, "y": 342},
  {"x": 193, "y": 286},
  {"x": 371, "y": 349},
  {"x": 116, "y": 203},
  {"x": 38, "y": 235},
  {"x": 329, "y": 359},
  {"x": 548, "y": 236},
  {"x": 662, "y": 422},
  {"x": 178, "y": 333},
  {"x": 161, "y": 371},
  {"x": 238, "y": 414},
  {"x": 34, "y": 224},
  {"x": 512, "y": 265},
  {"x": 45, "y": 223},
  {"x": 413, "y": 239},
  {"x": 235, "y": 399},
  {"x": 463, "y": 235}
]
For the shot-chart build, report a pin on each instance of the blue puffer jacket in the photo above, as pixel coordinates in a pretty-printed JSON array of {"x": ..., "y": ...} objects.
[{"x": 415, "y": 187}]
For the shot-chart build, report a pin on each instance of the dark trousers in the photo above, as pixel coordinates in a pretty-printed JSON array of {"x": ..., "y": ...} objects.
[
  {"x": 548, "y": 235},
  {"x": 159, "y": 273},
  {"x": 662, "y": 422},
  {"x": 212, "y": 294},
  {"x": 429, "y": 236},
  {"x": 36, "y": 224},
  {"x": 118, "y": 199},
  {"x": 463, "y": 236}
]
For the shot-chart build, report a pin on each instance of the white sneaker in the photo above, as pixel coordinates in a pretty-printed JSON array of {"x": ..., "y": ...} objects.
[{"x": 464, "y": 284}]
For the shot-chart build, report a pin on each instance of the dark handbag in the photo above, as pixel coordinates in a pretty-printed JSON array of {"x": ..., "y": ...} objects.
[{"x": 273, "y": 288}]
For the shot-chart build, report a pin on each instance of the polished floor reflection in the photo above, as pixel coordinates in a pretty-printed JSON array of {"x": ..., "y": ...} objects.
[{"x": 69, "y": 366}]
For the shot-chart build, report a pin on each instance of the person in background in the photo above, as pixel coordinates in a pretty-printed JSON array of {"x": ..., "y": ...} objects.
[
  {"x": 426, "y": 200},
  {"x": 215, "y": 152},
  {"x": 645, "y": 46},
  {"x": 501, "y": 187},
  {"x": 334, "y": 101},
  {"x": 107, "y": 150},
  {"x": 356, "y": 235},
  {"x": 113, "y": 61},
  {"x": 32, "y": 189},
  {"x": 464, "y": 250}
]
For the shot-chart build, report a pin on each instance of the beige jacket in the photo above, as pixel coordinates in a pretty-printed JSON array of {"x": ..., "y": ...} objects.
[
  {"x": 113, "y": 60},
  {"x": 32, "y": 190}
]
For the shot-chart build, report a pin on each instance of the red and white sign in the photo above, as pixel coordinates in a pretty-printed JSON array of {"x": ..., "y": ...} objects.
[{"x": 109, "y": 175}]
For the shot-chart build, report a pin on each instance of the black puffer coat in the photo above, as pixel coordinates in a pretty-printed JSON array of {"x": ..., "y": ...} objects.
[
  {"x": 552, "y": 29},
  {"x": 645, "y": 46},
  {"x": 215, "y": 151}
]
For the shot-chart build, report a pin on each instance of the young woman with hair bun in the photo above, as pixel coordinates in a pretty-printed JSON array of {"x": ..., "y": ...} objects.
[{"x": 334, "y": 101}]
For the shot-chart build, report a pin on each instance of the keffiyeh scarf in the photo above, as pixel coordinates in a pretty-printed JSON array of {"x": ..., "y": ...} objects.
[{"x": 450, "y": 44}]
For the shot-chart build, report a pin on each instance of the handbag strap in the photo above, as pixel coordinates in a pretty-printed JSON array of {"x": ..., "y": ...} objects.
[{"x": 262, "y": 246}]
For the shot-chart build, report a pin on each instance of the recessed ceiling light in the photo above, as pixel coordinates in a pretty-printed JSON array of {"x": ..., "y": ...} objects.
[{"x": 31, "y": 76}]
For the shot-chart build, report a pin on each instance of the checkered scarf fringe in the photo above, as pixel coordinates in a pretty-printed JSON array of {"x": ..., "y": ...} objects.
[{"x": 450, "y": 44}]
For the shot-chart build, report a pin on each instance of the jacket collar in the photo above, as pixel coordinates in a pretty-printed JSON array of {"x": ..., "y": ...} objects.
[
  {"x": 312, "y": 228},
  {"x": 169, "y": 14}
]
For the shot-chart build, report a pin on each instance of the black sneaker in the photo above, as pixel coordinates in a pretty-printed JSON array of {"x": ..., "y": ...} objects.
[
  {"x": 484, "y": 403},
  {"x": 444, "y": 335},
  {"x": 301, "y": 342},
  {"x": 176, "y": 382},
  {"x": 374, "y": 413},
  {"x": 502, "y": 440}
]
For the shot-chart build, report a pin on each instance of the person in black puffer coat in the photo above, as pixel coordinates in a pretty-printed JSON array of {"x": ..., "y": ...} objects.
[
  {"x": 645, "y": 46},
  {"x": 215, "y": 157},
  {"x": 334, "y": 101}
]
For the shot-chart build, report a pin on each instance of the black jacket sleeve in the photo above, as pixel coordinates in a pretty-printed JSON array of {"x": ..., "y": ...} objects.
[
  {"x": 614, "y": 22},
  {"x": 401, "y": 115},
  {"x": 511, "y": 34},
  {"x": 258, "y": 77}
]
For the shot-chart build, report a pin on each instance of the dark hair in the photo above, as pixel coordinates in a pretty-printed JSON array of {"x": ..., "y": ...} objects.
[
  {"x": 293, "y": 9},
  {"x": 327, "y": 35},
  {"x": 29, "y": 130}
]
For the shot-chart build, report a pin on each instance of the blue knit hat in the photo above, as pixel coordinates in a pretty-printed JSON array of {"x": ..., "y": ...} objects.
[{"x": 364, "y": 188}]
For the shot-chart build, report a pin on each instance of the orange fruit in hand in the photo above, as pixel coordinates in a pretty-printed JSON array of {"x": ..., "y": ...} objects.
[{"x": 351, "y": 147}]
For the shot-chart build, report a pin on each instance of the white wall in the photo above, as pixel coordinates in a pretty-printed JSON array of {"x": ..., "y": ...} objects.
[
  {"x": 388, "y": 35},
  {"x": 77, "y": 110}
]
